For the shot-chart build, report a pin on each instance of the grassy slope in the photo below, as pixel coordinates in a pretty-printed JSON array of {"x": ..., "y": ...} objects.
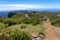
[{"x": 29, "y": 28}]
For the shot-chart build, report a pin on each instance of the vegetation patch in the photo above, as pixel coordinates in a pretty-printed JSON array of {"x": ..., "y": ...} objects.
[
  {"x": 9, "y": 34},
  {"x": 23, "y": 27}
]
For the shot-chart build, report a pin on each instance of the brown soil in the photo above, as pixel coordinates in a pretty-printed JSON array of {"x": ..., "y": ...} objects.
[{"x": 51, "y": 33}]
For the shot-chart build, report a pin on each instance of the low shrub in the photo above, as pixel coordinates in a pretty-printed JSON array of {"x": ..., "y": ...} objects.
[
  {"x": 31, "y": 21},
  {"x": 2, "y": 25},
  {"x": 55, "y": 21},
  {"x": 11, "y": 21},
  {"x": 10, "y": 34},
  {"x": 7, "y": 21},
  {"x": 41, "y": 33},
  {"x": 23, "y": 26}
]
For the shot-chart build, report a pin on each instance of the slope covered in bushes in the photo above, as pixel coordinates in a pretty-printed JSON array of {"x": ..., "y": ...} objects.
[
  {"x": 10, "y": 34},
  {"x": 21, "y": 27}
]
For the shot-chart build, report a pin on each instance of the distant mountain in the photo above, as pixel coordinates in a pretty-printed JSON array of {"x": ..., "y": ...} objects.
[
  {"x": 51, "y": 10},
  {"x": 5, "y": 13}
]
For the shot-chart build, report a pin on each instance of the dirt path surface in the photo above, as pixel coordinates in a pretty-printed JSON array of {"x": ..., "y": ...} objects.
[{"x": 51, "y": 33}]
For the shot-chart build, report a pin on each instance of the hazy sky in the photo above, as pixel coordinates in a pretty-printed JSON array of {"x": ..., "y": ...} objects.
[{"x": 29, "y": 4}]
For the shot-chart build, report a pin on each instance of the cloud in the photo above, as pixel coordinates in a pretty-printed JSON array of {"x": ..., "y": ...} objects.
[
  {"x": 25, "y": 6},
  {"x": 17, "y": 6}
]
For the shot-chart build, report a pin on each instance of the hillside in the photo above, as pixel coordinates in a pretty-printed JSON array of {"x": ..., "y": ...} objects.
[{"x": 30, "y": 26}]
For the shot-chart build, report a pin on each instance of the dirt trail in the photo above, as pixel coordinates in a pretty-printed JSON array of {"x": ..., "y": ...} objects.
[{"x": 51, "y": 33}]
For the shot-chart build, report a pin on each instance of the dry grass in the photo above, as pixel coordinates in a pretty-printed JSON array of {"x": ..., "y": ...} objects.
[
  {"x": 58, "y": 31},
  {"x": 29, "y": 28}
]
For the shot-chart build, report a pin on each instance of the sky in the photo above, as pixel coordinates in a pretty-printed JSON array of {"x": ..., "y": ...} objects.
[{"x": 29, "y": 4}]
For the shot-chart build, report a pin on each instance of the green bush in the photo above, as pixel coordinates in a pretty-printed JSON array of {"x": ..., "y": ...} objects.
[
  {"x": 26, "y": 21},
  {"x": 10, "y": 34},
  {"x": 31, "y": 21},
  {"x": 55, "y": 21},
  {"x": 11, "y": 21},
  {"x": 15, "y": 21},
  {"x": 41, "y": 33},
  {"x": 7, "y": 21},
  {"x": 19, "y": 35},
  {"x": 23, "y": 26},
  {"x": 2, "y": 25},
  {"x": 35, "y": 22}
]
